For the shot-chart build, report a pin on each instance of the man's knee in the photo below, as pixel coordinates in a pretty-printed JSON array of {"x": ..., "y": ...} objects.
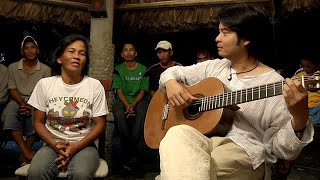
[
  {"x": 118, "y": 109},
  {"x": 176, "y": 133},
  {"x": 10, "y": 111},
  {"x": 142, "y": 106},
  {"x": 179, "y": 129},
  {"x": 118, "y": 106}
]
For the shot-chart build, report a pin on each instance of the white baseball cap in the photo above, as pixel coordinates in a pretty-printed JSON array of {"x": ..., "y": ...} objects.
[
  {"x": 164, "y": 45},
  {"x": 28, "y": 39}
]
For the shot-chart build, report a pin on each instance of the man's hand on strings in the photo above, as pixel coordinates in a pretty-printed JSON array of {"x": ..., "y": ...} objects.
[
  {"x": 296, "y": 98},
  {"x": 177, "y": 94}
]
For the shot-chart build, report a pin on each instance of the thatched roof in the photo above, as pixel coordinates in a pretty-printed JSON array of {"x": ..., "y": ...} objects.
[
  {"x": 291, "y": 5},
  {"x": 172, "y": 16},
  {"x": 66, "y": 13},
  {"x": 149, "y": 16}
]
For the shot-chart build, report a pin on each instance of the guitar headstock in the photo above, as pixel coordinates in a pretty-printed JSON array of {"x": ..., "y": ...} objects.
[{"x": 311, "y": 83}]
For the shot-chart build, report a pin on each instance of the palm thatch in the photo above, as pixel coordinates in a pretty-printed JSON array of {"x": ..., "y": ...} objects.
[
  {"x": 150, "y": 16},
  {"x": 292, "y": 5},
  {"x": 172, "y": 16},
  {"x": 37, "y": 11}
]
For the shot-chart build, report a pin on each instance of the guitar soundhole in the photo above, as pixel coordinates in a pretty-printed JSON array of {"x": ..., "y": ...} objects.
[{"x": 192, "y": 111}]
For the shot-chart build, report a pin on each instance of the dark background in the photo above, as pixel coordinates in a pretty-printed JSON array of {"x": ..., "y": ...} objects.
[{"x": 295, "y": 33}]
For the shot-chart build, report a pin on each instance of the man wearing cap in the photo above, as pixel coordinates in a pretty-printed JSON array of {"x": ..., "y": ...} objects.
[
  {"x": 17, "y": 115},
  {"x": 164, "y": 53}
]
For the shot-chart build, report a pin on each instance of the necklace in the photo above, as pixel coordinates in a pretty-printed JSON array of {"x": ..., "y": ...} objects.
[{"x": 230, "y": 73}]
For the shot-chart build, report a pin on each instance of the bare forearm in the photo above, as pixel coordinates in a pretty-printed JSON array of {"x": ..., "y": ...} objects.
[
  {"x": 94, "y": 134},
  {"x": 15, "y": 95},
  {"x": 44, "y": 134},
  {"x": 299, "y": 125},
  {"x": 122, "y": 97},
  {"x": 139, "y": 97}
]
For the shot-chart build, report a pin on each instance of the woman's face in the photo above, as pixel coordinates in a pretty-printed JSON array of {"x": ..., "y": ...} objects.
[{"x": 73, "y": 58}]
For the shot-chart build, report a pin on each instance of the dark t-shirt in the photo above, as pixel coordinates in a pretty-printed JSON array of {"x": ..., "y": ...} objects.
[{"x": 154, "y": 75}]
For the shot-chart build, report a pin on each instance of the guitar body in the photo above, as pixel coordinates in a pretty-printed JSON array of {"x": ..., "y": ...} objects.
[
  {"x": 206, "y": 122},
  {"x": 213, "y": 112}
]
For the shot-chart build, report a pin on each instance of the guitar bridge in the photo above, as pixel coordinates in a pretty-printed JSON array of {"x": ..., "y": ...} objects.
[{"x": 165, "y": 115}]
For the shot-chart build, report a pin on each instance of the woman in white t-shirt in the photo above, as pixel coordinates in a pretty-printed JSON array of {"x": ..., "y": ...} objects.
[{"x": 69, "y": 116}]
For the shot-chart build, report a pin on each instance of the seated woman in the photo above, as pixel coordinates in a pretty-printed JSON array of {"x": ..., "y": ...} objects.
[{"x": 69, "y": 116}]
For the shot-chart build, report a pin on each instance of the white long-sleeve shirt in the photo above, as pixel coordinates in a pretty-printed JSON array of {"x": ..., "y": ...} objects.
[{"x": 263, "y": 127}]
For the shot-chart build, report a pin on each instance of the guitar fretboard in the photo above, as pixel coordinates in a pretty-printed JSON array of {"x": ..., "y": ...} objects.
[{"x": 240, "y": 96}]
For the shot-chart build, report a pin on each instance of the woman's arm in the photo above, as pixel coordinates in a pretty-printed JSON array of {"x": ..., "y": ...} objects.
[
  {"x": 96, "y": 131},
  {"x": 39, "y": 119}
]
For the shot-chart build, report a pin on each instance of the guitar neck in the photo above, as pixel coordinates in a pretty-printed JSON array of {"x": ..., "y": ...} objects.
[
  {"x": 241, "y": 96},
  {"x": 252, "y": 94}
]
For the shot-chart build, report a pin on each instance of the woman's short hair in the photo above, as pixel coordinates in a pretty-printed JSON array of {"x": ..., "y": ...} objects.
[{"x": 63, "y": 44}]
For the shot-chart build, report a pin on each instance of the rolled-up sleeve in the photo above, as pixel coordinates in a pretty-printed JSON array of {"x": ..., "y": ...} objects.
[{"x": 285, "y": 144}]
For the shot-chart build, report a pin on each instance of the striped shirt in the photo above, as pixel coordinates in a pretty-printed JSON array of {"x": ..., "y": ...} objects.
[{"x": 263, "y": 127}]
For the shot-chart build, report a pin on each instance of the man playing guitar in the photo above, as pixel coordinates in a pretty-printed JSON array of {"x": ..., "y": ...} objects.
[{"x": 262, "y": 131}]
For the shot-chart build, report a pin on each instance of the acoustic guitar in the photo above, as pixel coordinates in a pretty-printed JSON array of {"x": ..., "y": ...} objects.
[{"x": 209, "y": 114}]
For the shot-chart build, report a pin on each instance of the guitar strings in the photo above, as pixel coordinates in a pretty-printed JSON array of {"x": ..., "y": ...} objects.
[{"x": 254, "y": 90}]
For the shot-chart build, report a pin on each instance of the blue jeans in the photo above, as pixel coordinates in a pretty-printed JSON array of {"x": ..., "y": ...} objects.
[
  {"x": 314, "y": 113},
  {"x": 82, "y": 165},
  {"x": 130, "y": 130}
]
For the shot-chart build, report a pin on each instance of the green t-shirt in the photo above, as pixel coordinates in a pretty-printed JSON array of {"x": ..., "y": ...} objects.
[{"x": 130, "y": 81}]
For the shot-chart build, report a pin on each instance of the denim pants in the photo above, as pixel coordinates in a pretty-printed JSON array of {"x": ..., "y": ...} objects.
[
  {"x": 13, "y": 121},
  {"x": 82, "y": 165},
  {"x": 130, "y": 130}
]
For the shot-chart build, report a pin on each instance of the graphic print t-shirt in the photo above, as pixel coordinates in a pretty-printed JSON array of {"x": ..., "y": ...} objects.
[{"x": 69, "y": 108}]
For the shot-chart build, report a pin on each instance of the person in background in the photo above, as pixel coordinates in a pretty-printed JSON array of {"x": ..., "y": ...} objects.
[
  {"x": 309, "y": 66},
  {"x": 130, "y": 107},
  {"x": 261, "y": 131},
  {"x": 4, "y": 77},
  {"x": 203, "y": 55},
  {"x": 70, "y": 115},
  {"x": 17, "y": 116},
  {"x": 164, "y": 52}
]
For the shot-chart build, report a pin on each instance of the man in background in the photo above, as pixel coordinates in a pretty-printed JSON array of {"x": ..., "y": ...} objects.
[
  {"x": 164, "y": 52},
  {"x": 4, "y": 76},
  {"x": 17, "y": 115},
  {"x": 203, "y": 55}
]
